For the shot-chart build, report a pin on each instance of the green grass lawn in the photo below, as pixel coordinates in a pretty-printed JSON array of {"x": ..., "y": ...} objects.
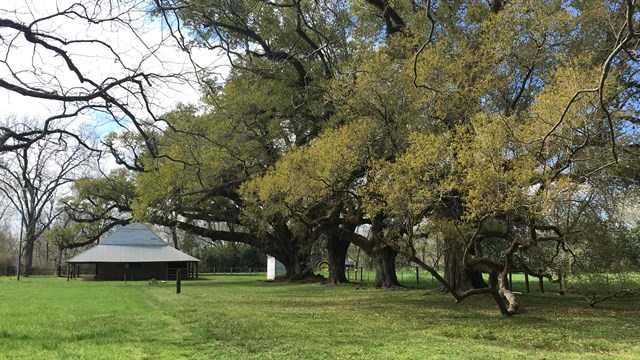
[{"x": 244, "y": 317}]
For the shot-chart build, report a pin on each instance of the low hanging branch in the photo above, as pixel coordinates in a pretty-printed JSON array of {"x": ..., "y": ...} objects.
[
  {"x": 492, "y": 290},
  {"x": 593, "y": 300},
  {"x": 497, "y": 283},
  {"x": 499, "y": 287}
]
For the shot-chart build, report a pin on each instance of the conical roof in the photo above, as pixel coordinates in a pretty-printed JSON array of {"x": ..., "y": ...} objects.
[
  {"x": 129, "y": 244},
  {"x": 134, "y": 234}
]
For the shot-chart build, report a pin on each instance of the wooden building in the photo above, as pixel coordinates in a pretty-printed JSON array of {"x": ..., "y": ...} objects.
[{"x": 133, "y": 252}]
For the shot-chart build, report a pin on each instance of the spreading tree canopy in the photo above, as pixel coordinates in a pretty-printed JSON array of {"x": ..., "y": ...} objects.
[{"x": 501, "y": 126}]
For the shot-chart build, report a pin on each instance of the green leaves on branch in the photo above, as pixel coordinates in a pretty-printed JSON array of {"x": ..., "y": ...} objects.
[{"x": 322, "y": 173}]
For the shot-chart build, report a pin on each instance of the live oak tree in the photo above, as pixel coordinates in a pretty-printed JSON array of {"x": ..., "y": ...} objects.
[
  {"x": 206, "y": 156},
  {"x": 449, "y": 71},
  {"x": 523, "y": 127},
  {"x": 493, "y": 124},
  {"x": 313, "y": 186},
  {"x": 273, "y": 101},
  {"x": 289, "y": 52},
  {"x": 307, "y": 42},
  {"x": 508, "y": 131},
  {"x": 196, "y": 186}
]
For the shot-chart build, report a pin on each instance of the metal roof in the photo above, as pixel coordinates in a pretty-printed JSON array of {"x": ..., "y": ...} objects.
[
  {"x": 130, "y": 254},
  {"x": 130, "y": 244},
  {"x": 134, "y": 234}
]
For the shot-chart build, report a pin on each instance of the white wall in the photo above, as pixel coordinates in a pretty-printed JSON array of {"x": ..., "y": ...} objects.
[{"x": 275, "y": 269}]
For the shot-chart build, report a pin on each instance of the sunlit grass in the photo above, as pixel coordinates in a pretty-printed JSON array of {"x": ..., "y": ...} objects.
[{"x": 244, "y": 317}]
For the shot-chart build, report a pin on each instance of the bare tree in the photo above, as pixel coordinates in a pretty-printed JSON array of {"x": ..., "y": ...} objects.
[
  {"x": 33, "y": 177},
  {"x": 55, "y": 53}
]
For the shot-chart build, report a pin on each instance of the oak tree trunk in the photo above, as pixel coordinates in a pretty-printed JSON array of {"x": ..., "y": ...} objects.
[
  {"x": 30, "y": 239},
  {"x": 457, "y": 274},
  {"x": 298, "y": 269},
  {"x": 296, "y": 263},
  {"x": 28, "y": 257},
  {"x": 292, "y": 251},
  {"x": 385, "y": 260},
  {"x": 337, "y": 250},
  {"x": 382, "y": 254}
]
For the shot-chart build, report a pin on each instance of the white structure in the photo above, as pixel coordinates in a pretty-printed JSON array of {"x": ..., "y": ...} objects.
[{"x": 275, "y": 269}]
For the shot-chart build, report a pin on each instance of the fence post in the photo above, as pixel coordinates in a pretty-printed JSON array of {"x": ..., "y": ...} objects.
[
  {"x": 417, "y": 275},
  {"x": 541, "y": 281},
  {"x": 178, "y": 282}
]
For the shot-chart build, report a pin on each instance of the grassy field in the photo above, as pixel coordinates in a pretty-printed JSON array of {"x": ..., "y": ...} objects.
[{"x": 244, "y": 317}]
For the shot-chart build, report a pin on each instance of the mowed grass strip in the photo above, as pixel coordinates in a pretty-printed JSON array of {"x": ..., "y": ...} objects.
[
  {"x": 243, "y": 317},
  {"x": 50, "y": 318}
]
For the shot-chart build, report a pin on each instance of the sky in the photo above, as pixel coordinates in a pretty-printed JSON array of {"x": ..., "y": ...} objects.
[{"x": 147, "y": 47}]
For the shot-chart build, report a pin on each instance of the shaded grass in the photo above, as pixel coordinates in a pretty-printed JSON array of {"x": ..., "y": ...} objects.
[{"x": 241, "y": 317}]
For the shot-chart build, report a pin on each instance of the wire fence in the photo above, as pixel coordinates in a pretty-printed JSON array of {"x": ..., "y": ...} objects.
[
  {"x": 62, "y": 271},
  {"x": 232, "y": 271},
  {"x": 411, "y": 277},
  {"x": 11, "y": 271}
]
